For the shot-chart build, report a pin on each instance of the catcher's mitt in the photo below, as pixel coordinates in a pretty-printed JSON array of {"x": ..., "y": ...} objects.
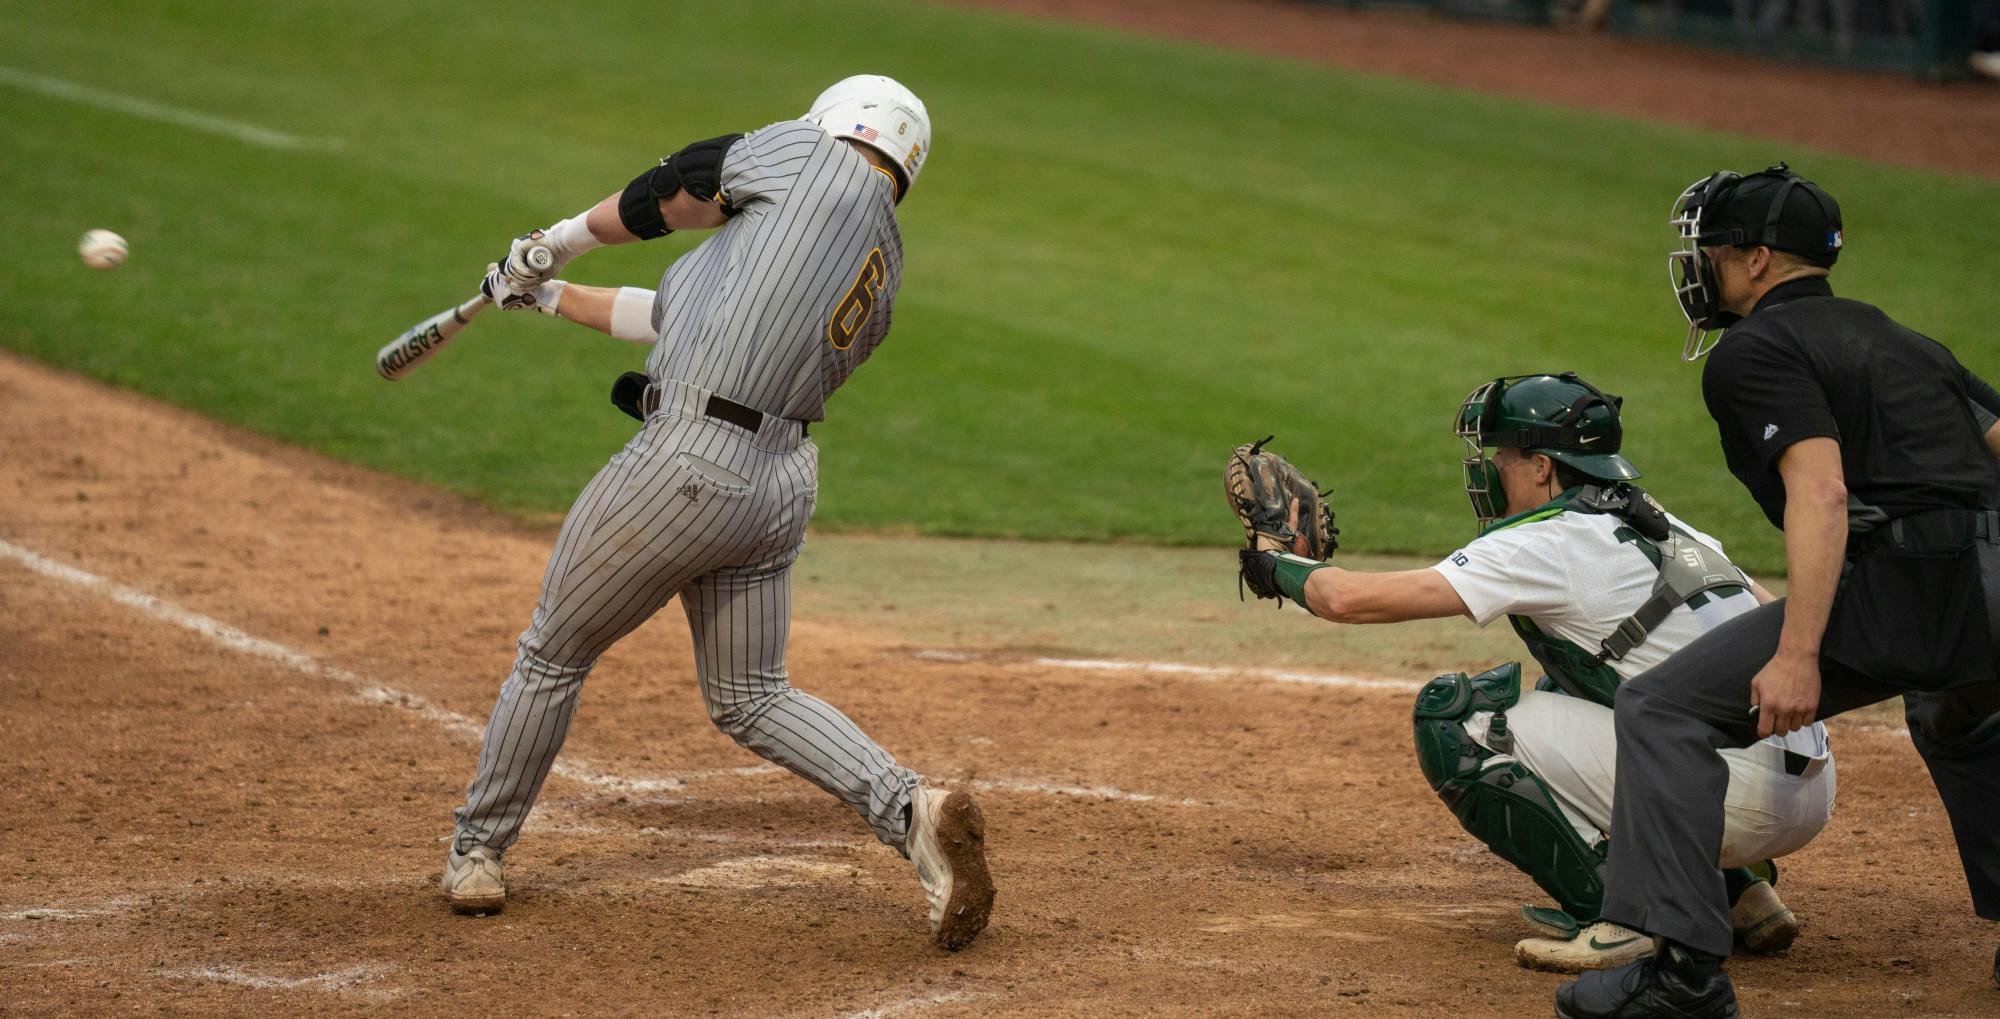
[{"x": 1261, "y": 486}]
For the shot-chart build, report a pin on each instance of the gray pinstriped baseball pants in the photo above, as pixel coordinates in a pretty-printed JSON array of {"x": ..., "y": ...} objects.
[{"x": 700, "y": 508}]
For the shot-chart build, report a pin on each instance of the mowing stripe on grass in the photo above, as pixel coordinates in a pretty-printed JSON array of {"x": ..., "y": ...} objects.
[{"x": 118, "y": 102}]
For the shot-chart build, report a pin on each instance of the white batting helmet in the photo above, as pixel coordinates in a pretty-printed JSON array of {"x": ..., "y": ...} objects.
[{"x": 880, "y": 113}]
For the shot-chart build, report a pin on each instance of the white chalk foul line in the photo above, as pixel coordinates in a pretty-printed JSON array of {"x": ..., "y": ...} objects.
[
  {"x": 368, "y": 690},
  {"x": 118, "y": 102},
  {"x": 463, "y": 726},
  {"x": 1203, "y": 672},
  {"x": 353, "y": 979}
]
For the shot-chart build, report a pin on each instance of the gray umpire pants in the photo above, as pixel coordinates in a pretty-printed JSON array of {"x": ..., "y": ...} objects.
[
  {"x": 704, "y": 509},
  {"x": 1666, "y": 823}
]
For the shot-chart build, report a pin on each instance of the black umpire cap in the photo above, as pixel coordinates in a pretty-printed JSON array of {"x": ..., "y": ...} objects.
[{"x": 1778, "y": 209}]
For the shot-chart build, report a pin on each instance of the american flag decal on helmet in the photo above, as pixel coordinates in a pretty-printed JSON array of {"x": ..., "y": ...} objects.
[{"x": 865, "y": 133}]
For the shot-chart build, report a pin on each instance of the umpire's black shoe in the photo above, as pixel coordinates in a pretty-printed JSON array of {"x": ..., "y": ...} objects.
[{"x": 1677, "y": 983}]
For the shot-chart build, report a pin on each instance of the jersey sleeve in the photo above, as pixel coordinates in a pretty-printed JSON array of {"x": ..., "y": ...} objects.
[
  {"x": 1984, "y": 399},
  {"x": 1764, "y": 394},
  {"x": 1510, "y": 572},
  {"x": 1980, "y": 392},
  {"x": 762, "y": 165}
]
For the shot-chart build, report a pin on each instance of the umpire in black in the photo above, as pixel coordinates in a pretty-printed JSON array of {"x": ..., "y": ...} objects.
[{"x": 1872, "y": 448}]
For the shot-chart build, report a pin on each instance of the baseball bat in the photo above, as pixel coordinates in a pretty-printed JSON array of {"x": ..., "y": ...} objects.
[
  {"x": 403, "y": 354},
  {"x": 420, "y": 341}
]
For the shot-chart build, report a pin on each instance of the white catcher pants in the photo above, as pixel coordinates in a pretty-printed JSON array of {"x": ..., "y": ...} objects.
[{"x": 1572, "y": 746}]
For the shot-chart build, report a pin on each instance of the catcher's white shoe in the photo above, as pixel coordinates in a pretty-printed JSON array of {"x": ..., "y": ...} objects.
[
  {"x": 474, "y": 881},
  {"x": 947, "y": 842},
  {"x": 1601, "y": 945},
  {"x": 1761, "y": 921}
]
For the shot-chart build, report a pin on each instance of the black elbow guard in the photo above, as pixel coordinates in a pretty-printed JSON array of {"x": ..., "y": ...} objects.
[
  {"x": 696, "y": 169},
  {"x": 639, "y": 207}
]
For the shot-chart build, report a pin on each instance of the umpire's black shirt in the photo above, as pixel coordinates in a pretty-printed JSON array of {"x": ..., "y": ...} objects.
[
  {"x": 1910, "y": 421},
  {"x": 1806, "y": 364}
]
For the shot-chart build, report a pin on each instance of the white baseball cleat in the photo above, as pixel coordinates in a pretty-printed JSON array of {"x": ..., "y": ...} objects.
[
  {"x": 474, "y": 881},
  {"x": 947, "y": 842},
  {"x": 1602, "y": 945},
  {"x": 1761, "y": 921}
]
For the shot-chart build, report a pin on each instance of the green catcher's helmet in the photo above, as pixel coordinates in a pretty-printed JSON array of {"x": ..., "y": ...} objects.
[{"x": 1561, "y": 417}]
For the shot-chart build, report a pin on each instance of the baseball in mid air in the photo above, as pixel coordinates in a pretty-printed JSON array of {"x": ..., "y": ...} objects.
[{"x": 102, "y": 249}]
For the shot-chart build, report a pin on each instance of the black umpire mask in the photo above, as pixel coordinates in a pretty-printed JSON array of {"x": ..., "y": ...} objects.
[{"x": 1776, "y": 208}]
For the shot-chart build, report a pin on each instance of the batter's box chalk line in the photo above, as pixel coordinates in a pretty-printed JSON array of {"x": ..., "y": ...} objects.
[
  {"x": 1205, "y": 673},
  {"x": 462, "y": 726},
  {"x": 355, "y": 980},
  {"x": 909, "y": 1005}
]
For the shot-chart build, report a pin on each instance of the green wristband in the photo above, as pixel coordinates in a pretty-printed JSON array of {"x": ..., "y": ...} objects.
[{"x": 1292, "y": 572}]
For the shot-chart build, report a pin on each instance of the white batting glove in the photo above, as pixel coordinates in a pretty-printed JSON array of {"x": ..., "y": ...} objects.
[
  {"x": 520, "y": 268},
  {"x": 503, "y": 291}
]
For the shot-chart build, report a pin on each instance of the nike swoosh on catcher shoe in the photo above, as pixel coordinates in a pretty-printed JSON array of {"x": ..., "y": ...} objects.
[
  {"x": 1601, "y": 945},
  {"x": 947, "y": 842},
  {"x": 474, "y": 881}
]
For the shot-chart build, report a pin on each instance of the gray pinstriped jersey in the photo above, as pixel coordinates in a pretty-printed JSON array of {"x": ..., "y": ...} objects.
[
  {"x": 775, "y": 311},
  {"x": 781, "y": 304}
]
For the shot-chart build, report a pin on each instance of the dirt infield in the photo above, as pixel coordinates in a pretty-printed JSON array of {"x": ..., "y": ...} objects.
[
  {"x": 240, "y": 688},
  {"x": 1953, "y": 126}
]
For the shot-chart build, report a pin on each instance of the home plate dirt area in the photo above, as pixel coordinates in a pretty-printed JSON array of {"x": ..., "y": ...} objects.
[{"x": 241, "y": 689}]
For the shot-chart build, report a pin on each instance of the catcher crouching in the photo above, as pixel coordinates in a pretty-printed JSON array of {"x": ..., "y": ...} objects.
[{"x": 1601, "y": 584}]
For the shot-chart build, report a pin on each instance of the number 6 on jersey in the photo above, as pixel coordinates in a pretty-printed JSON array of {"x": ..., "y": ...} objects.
[{"x": 853, "y": 310}]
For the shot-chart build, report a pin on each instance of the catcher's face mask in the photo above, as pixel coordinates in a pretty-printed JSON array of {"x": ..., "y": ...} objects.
[
  {"x": 1559, "y": 416},
  {"x": 1692, "y": 271},
  {"x": 1482, "y": 476}
]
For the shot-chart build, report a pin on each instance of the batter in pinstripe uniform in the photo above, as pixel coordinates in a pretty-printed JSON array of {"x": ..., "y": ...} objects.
[{"x": 753, "y": 330}]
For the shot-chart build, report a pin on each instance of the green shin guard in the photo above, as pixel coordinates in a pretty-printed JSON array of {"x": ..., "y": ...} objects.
[
  {"x": 1496, "y": 799},
  {"x": 1738, "y": 880}
]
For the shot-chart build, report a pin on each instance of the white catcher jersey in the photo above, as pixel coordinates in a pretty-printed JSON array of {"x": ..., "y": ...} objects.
[
  {"x": 784, "y": 301},
  {"x": 1576, "y": 580}
]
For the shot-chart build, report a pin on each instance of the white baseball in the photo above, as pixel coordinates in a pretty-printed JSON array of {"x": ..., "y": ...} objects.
[{"x": 102, "y": 249}]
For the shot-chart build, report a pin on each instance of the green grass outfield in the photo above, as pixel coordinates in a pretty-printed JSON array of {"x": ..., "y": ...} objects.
[{"x": 1126, "y": 255}]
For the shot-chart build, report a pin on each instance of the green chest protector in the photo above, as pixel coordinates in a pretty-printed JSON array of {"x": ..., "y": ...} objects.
[{"x": 1690, "y": 573}]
